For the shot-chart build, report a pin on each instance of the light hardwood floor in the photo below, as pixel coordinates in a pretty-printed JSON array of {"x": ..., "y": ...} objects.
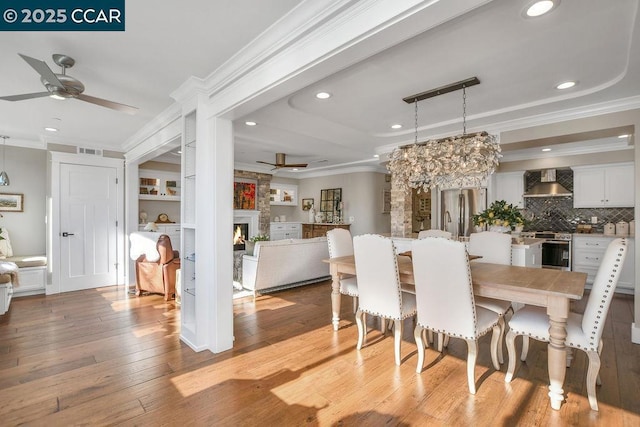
[{"x": 101, "y": 357}]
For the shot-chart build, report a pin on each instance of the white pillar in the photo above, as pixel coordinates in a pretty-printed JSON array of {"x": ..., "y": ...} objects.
[{"x": 214, "y": 239}]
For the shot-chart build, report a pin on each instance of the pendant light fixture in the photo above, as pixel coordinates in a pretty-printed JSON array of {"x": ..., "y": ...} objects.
[
  {"x": 457, "y": 161},
  {"x": 4, "y": 178}
]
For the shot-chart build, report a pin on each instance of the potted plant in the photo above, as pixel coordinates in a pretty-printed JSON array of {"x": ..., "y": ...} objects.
[
  {"x": 250, "y": 244},
  {"x": 500, "y": 216}
]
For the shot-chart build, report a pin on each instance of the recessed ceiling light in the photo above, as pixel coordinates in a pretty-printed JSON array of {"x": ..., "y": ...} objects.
[
  {"x": 623, "y": 136},
  {"x": 294, "y": 169},
  {"x": 396, "y": 126},
  {"x": 376, "y": 156},
  {"x": 546, "y": 149},
  {"x": 323, "y": 95},
  {"x": 250, "y": 123},
  {"x": 566, "y": 85},
  {"x": 51, "y": 129},
  {"x": 541, "y": 7}
]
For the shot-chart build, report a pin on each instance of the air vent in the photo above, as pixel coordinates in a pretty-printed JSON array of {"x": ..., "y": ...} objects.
[{"x": 90, "y": 151}]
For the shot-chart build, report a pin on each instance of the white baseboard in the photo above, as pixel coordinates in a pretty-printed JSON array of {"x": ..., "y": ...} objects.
[{"x": 635, "y": 333}]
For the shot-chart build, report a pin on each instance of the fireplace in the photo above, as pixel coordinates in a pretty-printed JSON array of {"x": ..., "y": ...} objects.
[{"x": 240, "y": 233}]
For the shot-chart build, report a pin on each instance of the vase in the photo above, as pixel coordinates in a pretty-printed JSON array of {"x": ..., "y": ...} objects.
[
  {"x": 499, "y": 228},
  {"x": 312, "y": 215},
  {"x": 249, "y": 246}
]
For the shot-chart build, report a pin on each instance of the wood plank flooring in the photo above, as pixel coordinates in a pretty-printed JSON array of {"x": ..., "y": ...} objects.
[{"x": 102, "y": 357}]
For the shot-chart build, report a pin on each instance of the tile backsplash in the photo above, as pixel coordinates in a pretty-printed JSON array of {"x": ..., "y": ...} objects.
[{"x": 558, "y": 213}]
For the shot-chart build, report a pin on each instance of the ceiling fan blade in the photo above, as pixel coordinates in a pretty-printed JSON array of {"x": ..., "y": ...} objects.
[
  {"x": 109, "y": 104},
  {"x": 43, "y": 69},
  {"x": 25, "y": 96},
  {"x": 295, "y": 165},
  {"x": 266, "y": 163}
]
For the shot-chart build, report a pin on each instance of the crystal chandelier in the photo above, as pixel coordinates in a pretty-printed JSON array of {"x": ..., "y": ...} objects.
[{"x": 464, "y": 160}]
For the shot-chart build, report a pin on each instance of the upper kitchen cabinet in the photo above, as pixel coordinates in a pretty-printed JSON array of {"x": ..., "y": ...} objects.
[
  {"x": 509, "y": 186},
  {"x": 609, "y": 186}
]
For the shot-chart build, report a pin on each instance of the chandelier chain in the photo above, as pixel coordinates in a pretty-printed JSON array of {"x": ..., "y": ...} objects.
[
  {"x": 464, "y": 110},
  {"x": 416, "y": 121}
]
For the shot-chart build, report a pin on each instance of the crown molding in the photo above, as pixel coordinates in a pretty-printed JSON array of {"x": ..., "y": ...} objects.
[{"x": 154, "y": 126}]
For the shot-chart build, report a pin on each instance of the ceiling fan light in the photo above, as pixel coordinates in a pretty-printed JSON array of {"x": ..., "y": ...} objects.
[
  {"x": 58, "y": 97},
  {"x": 4, "y": 178}
]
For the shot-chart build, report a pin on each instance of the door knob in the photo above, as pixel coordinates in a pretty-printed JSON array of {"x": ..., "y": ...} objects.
[{"x": 65, "y": 234}]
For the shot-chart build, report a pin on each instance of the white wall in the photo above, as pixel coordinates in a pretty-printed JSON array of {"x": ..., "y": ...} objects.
[
  {"x": 27, "y": 170},
  {"x": 361, "y": 194}
]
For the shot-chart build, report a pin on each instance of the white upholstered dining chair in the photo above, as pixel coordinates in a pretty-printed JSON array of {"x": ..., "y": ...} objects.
[
  {"x": 445, "y": 301},
  {"x": 584, "y": 331},
  {"x": 379, "y": 287},
  {"x": 341, "y": 244},
  {"x": 434, "y": 233},
  {"x": 494, "y": 248}
]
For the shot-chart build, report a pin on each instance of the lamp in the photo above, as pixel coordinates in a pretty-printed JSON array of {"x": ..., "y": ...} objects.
[
  {"x": 151, "y": 226},
  {"x": 457, "y": 161},
  {"x": 4, "y": 178}
]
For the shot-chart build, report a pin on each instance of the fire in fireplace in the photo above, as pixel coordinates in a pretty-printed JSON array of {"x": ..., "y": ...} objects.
[{"x": 240, "y": 232}]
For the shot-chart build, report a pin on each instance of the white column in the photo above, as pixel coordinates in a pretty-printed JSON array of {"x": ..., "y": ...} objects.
[
  {"x": 131, "y": 219},
  {"x": 214, "y": 239}
]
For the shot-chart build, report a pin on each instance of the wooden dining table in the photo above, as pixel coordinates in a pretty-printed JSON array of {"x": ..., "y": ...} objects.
[{"x": 553, "y": 289}]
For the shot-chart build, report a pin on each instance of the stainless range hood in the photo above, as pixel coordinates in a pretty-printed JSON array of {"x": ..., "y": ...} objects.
[{"x": 548, "y": 186}]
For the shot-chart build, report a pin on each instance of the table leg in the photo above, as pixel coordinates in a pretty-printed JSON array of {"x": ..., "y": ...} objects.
[
  {"x": 558, "y": 311},
  {"x": 335, "y": 297}
]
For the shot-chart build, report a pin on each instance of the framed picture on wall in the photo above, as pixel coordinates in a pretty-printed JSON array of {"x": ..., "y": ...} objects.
[
  {"x": 307, "y": 204},
  {"x": 244, "y": 195},
  {"x": 11, "y": 202}
]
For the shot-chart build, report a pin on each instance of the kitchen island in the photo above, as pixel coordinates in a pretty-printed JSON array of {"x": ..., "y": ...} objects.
[{"x": 526, "y": 252}]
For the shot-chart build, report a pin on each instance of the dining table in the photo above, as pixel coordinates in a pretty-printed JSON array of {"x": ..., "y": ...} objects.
[{"x": 550, "y": 288}]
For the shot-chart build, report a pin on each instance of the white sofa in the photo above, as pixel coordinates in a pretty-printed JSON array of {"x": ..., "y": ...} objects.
[{"x": 282, "y": 264}]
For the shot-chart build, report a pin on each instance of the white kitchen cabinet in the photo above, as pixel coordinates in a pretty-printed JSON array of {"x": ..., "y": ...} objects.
[
  {"x": 588, "y": 252},
  {"x": 509, "y": 186},
  {"x": 603, "y": 186},
  {"x": 285, "y": 230}
]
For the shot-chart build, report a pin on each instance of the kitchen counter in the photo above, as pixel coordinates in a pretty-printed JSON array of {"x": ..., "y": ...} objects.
[
  {"x": 525, "y": 243},
  {"x": 600, "y": 235}
]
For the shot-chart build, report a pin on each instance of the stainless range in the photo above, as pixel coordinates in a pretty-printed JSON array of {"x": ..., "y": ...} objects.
[{"x": 556, "y": 249}]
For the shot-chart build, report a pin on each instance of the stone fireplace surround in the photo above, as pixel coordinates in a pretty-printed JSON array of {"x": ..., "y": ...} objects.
[{"x": 257, "y": 219}]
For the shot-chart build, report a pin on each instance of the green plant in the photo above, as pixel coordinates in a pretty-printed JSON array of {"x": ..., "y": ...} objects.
[
  {"x": 501, "y": 214},
  {"x": 259, "y": 238}
]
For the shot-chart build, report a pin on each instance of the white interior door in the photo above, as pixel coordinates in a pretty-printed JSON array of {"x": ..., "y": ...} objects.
[{"x": 88, "y": 227}]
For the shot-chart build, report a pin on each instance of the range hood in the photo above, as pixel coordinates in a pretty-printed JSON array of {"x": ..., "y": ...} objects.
[{"x": 548, "y": 186}]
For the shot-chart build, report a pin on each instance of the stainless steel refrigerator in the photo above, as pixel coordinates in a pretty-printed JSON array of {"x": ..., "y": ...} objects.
[{"x": 457, "y": 208}]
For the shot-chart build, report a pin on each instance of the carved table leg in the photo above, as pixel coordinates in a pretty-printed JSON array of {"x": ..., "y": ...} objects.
[
  {"x": 558, "y": 311},
  {"x": 335, "y": 296}
]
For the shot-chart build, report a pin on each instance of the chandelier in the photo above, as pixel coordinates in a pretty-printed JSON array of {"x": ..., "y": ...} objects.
[{"x": 464, "y": 160}]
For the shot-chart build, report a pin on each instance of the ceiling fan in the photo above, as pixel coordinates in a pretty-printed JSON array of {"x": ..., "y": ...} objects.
[
  {"x": 282, "y": 163},
  {"x": 62, "y": 86}
]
